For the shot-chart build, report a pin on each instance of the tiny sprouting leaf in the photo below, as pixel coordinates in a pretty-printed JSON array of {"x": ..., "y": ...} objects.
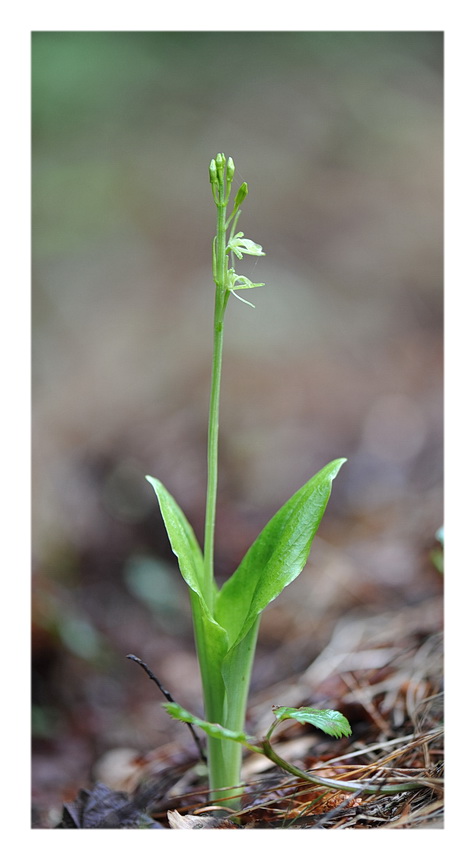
[
  {"x": 214, "y": 730},
  {"x": 331, "y": 722}
]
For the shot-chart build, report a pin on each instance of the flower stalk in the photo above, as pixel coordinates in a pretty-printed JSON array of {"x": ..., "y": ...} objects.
[{"x": 226, "y": 620}]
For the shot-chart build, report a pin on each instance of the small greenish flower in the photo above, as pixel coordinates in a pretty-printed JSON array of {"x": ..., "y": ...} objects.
[
  {"x": 239, "y": 245},
  {"x": 240, "y": 282}
]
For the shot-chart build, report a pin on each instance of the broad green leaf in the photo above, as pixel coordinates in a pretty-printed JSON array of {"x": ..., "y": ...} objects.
[
  {"x": 276, "y": 557},
  {"x": 214, "y": 730},
  {"x": 211, "y": 638},
  {"x": 331, "y": 722},
  {"x": 182, "y": 538}
]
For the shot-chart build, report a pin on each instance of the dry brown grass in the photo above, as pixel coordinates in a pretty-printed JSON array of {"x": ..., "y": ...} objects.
[{"x": 394, "y": 700}]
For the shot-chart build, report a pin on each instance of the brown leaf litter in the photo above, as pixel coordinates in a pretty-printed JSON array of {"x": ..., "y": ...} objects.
[{"x": 385, "y": 674}]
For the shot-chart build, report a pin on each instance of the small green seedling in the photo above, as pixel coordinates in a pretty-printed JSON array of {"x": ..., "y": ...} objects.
[
  {"x": 331, "y": 722},
  {"x": 226, "y": 620}
]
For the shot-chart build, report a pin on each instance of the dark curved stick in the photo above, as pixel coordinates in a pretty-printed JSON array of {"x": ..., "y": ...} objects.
[{"x": 170, "y": 699}]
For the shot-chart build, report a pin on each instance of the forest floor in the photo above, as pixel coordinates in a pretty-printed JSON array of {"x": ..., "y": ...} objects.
[{"x": 384, "y": 672}]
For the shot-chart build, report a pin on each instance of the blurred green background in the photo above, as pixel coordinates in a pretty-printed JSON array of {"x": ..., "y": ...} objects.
[{"x": 339, "y": 136}]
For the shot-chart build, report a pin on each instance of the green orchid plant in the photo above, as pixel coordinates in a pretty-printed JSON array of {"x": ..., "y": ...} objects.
[{"x": 226, "y": 620}]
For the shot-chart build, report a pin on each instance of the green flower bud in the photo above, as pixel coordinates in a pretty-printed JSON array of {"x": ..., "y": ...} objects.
[
  {"x": 240, "y": 196},
  {"x": 220, "y": 163},
  {"x": 213, "y": 176},
  {"x": 230, "y": 169}
]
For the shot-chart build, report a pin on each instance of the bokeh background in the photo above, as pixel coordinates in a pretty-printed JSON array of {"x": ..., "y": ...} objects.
[{"x": 339, "y": 136}]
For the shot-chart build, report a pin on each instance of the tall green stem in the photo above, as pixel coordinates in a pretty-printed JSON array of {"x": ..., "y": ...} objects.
[
  {"x": 224, "y": 757},
  {"x": 225, "y": 687},
  {"x": 220, "y": 273}
]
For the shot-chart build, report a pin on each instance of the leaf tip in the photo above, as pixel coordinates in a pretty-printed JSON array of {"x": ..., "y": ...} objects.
[{"x": 334, "y": 467}]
